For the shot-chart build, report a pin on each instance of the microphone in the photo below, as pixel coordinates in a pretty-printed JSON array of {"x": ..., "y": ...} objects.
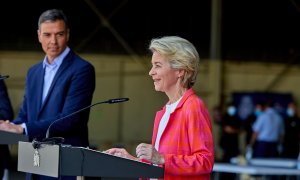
[
  {"x": 119, "y": 100},
  {"x": 60, "y": 139},
  {"x": 4, "y": 77}
]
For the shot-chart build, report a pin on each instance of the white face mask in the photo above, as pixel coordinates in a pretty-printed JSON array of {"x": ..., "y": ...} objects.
[
  {"x": 290, "y": 112},
  {"x": 231, "y": 110}
]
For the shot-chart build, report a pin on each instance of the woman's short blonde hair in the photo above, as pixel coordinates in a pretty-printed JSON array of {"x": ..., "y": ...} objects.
[{"x": 181, "y": 54}]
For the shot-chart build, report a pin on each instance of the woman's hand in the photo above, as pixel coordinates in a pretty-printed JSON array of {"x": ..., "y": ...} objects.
[
  {"x": 149, "y": 153},
  {"x": 120, "y": 152}
]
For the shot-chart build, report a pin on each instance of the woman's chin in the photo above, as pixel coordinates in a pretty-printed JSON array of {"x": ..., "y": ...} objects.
[{"x": 157, "y": 88}]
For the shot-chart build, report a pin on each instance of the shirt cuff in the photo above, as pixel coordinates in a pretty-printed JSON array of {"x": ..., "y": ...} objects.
[{"x": 24, "y": 128}]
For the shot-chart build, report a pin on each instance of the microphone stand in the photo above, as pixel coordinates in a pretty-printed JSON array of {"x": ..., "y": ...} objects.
[
  {"x": 4, "y": 77},
  {"x": 60, "y": 140}
]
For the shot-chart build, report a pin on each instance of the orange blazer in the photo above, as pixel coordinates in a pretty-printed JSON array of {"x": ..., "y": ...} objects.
[{"x": 187, "y": 141}]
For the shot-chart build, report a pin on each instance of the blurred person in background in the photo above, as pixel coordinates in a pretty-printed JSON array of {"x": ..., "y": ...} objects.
[
  {"x": 268, "y": 131},
  {"x": 231, "y": 128},
  {"x": 249, "y": 121},
  {"x": 248, "y": 124},
  {"x": 292, "y": 132},
  {"x": 229, "y": 141}
]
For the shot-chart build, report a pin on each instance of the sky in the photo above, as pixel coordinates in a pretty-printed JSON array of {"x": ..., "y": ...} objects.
[{"x": 259, "y": 30}]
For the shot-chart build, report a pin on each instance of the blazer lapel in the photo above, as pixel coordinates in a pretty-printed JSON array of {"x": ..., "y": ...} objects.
[
  {"x": 65, "y": 64},
  {"x": 39, "y": 80}
]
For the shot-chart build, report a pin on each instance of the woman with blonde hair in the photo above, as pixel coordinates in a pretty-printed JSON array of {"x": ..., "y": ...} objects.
[{"x": 182, "y": 141}]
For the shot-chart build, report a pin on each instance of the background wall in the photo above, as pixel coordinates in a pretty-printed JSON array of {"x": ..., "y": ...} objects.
[{"x": 117, "y": 76}]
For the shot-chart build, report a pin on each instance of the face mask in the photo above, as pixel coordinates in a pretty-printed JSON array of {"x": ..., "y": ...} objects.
[
  {"x": 290, "y": 112},
  {"x": 231, "y": 110},
  {"x": 257, "y": 112}
]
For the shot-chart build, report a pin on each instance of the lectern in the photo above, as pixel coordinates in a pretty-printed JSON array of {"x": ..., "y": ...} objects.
[
  {"x": 11, "y": 138},
  {"x": 56, "y": 160}
]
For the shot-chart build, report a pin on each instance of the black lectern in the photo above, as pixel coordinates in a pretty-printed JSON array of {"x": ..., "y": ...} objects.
[
  {"x": 55, "y": 160},
  {"x": 11, "y": 138}
]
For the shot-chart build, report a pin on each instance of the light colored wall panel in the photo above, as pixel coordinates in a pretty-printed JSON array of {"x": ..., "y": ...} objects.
[{"x": 123, "y": 76}]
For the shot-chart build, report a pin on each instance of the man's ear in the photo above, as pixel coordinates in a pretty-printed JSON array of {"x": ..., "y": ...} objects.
[{"x": 39, "y": 34}]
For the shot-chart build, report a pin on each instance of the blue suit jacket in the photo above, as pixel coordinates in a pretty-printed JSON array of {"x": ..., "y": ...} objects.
[
  {"x": 72, "y": 89},
  {"x": 6, "y": 113}
]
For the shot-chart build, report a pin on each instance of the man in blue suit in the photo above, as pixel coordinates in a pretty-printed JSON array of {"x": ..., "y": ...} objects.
[{"x": 61, "y": 84}]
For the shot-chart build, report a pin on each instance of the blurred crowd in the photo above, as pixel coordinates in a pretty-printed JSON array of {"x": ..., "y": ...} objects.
[{"x": 268, "y": 133}]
